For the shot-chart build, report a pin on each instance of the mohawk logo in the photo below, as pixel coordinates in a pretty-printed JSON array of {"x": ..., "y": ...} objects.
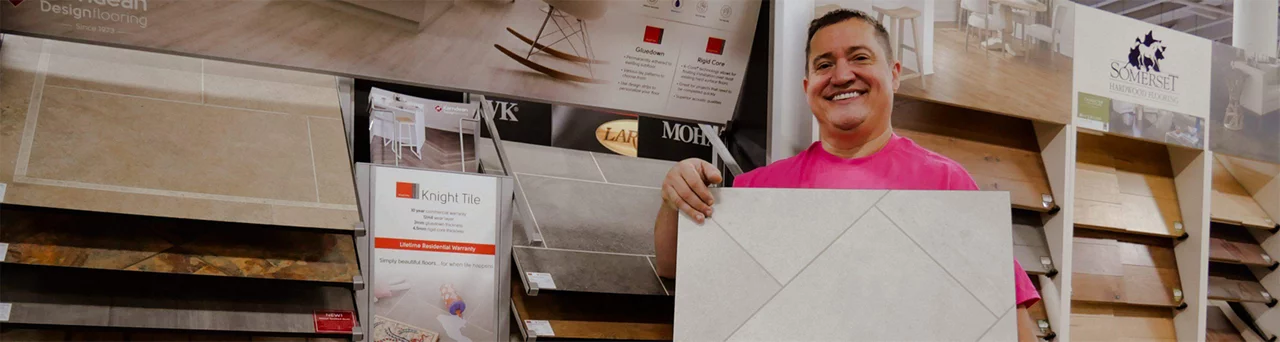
[{"x": 406, "y": 190}]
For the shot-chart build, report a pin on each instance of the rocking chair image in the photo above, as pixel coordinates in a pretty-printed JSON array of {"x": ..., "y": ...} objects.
[{"x": 559, "y": 13}]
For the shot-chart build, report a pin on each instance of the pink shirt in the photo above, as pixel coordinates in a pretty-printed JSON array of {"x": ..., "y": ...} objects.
[{"x": 900, "y": 165}]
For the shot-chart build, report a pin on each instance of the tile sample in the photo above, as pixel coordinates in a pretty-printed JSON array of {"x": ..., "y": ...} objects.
[
  {"x": 130, "y": 132},
  {"x": 632, "y": 170},
  {"x": 591, "y": 272},
  {"x": 592, "y": 216},
  {"x": 939, "y": 257},
  {"x": 550, "y": 161},
  {"x": 270, "y": 89}
]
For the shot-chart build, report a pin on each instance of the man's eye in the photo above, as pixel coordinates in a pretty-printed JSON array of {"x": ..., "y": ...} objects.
[
  {"x": 861, "y": 57},
  {"x": 823, "y": 65}
]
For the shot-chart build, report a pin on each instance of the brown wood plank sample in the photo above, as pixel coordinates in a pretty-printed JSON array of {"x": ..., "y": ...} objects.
[
  {"x": 1235, "y": 283},
  {"x": 1150, "y": 286},
  {"x": 1219, "y": 327},
  {"x": 1125, "y": 185},
  {"x": 1119, "y": 322},
  {"x": 597, "y": 316},
  {"x": 1029, "y": 246},
  {"x": 1231, "y": 244},
  {"x": 993, "y": 167},
  {"x": 1107, "y": 270},
  {"x": 1232, "y": 204}
]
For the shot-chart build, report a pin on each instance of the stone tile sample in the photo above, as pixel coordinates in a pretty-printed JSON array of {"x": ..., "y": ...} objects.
[
  {"x": 103, "y": 129},
  {"x": 163, "y": 245},
  {"x": 157, "y": 301},
  {"x": 592, "y": 216},
  {"x": 548, "y": 161},
  {"x": 592, "y": 272},
  {"x": 632, "y": 170},
  {"x": 936, "y": 252}
]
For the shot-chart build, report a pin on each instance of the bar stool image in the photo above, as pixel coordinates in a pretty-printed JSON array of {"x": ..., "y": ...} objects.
[
  {"x": 382, "y": 124},
  {"x": 897, "y": 18},
  {"x": 406, "y": 134}
]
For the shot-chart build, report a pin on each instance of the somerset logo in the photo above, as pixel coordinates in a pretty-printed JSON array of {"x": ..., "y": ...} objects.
[
  {"x": 1143, "y": 74},
  {"x": 1146, "y": 53},
  {"x": 406, "y": 190}
]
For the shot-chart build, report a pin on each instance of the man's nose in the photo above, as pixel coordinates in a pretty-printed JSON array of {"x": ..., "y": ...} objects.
[{"x": 843, "y": 74}]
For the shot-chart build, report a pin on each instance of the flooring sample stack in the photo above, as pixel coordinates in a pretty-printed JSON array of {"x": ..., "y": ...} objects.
[
  {"x": 775, "y": 264},
  {"x": 1109, "y": 271},
  {"x": 1233, "y": 245},
  {"x": 1125, "y": 185},
  {"x": 595, "y": 213},
  {"x": 1232, "y": 204},
  {"x": 54, "y": 237},
  {"x": 1106, "y": 322},
  {"x": 1029, "y": 245},
  {"x": 104, "y": 129}
]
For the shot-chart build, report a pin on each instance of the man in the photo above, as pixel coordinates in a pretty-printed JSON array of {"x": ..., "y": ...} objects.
[{"x": 850, "y": 80}]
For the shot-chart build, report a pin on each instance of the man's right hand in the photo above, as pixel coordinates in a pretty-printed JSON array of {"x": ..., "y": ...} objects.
[{"x": 685, "y": 188}]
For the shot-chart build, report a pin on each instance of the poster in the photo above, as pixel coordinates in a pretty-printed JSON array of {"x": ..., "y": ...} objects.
[
  {"x": 1014, "y": 58},
  {"x": 1245, "y": 117},
  {"x": 435, "y": 255},
  {"x": 1141, "y": 80},
  {"x": 421, "y": 133},
  {"x": 683, "y": 59}
]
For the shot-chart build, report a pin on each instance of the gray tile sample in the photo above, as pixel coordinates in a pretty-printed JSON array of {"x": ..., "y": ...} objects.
[
  {"x": 632, "y": 170},
  {"x": 592, "y": 272},
  {"x": 543, "y": 160},
  {"x": 592, "y": 216},
  {"x": 668, "y": 283},
  {"x": 940, "y": 260}
]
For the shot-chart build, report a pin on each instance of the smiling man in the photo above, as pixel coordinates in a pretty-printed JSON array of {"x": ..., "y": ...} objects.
[{"x": 850, "y": 79}]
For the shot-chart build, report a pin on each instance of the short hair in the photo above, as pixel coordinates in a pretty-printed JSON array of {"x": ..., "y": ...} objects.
[{"x": 841, "y": 15}]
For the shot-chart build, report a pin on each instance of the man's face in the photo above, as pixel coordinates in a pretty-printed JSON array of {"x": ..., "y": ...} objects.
[{"x": 851, "y": 80}]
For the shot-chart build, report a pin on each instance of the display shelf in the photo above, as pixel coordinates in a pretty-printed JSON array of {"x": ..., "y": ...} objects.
[
  {"x": 1232, "y": 204},
  {"x": 1029, "y": 246},
  {"x": 1125, "y": 185},
  {"x": 1118, "y": 269},
  {"x": 1111, "y": 322},
  {"x": 102, "y": 298},
  {"x": 1236, "y": 283},
  {"x": 79, "y": 334},
  {"x": 1000, "y": 152},
  {"x": 1231, "y": 244},
  {"x": 68, "y": 238},
  {"x": 1220, "y": 328},
  {"x": 573, "y": 315}
]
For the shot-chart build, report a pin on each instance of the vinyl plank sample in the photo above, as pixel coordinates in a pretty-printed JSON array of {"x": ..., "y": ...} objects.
[
  {"x": 1232, "y": 204},
  {"x": 592, "y": 216},
  {"x": 1125, "y": 185},
  {"x": 134, "y": 132},
  {"x": 159, "y": 301},
  {"x": 914, "y": 241},
  {"x": 592, "y": 272},
  {"x": 152, "y": 244},
  {"x": 994, "y": 167}
]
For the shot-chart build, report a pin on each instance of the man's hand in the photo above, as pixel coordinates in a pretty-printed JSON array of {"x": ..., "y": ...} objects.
[{"x": 685, "y": 188}]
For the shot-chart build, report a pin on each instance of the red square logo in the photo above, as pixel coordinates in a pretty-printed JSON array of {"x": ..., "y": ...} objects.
[
  {"x": 653, "y": 34},
  {"x": 715, "y": 45},
  {"x": 405, "y": 190}
]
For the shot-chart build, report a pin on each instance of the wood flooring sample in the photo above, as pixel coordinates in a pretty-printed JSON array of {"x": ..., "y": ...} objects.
[
  {"x": 1111, "y": 322},
  {"x": 765, "y": 267},
  {"x": 1122, "y": 191},
  {"x": 994, "y": 167},
  {"x": 1231, "y": 203}
]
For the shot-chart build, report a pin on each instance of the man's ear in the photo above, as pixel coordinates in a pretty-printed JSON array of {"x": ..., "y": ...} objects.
[
  {"x": 805, "y": 83},
  {"x": 897, "y": 70}
]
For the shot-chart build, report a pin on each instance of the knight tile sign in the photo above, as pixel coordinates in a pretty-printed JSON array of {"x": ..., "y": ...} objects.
[{"x": 1141, "y": 80}]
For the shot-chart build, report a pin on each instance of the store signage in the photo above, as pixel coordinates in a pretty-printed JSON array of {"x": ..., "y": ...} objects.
[
  {"x": 334, "y": 321},
  {"x": 673, "y": 140},
  {"x": 435, "y": 252},
  {"x": 1142, "y": 80},
  {"x": 627, "y": 55},
  {"x": 520, "y": 121},
  {"x": 620, "y": 136}
]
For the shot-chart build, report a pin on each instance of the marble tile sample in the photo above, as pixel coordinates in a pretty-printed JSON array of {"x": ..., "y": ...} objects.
[
  {"x": 592, "y": 216},
  {"x": 582, "y": 271},
  {"x": 752, "y": 273},
  {"x": 104, "y": 129},
  {"x": 57, "y": 296},
  {"x": 50, "y": 237}
]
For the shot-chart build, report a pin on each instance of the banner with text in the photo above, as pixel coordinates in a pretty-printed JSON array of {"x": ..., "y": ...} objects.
[
  {"x": 678, "y": 59},
  {"x": 435, "y": 257},
  {"x": 1141, "y": 80}
]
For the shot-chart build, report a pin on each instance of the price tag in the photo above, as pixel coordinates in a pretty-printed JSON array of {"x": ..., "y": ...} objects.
[
  {"x": 539, "y": 328},
  {"x": 4, "y": 250},
  {"x": 541, "y": 280},
  {"x": 4, "y": 311},
  {"x": 334, "y": 321}
]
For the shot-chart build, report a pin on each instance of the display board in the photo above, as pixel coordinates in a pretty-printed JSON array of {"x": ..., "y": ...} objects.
[
  {"x": 1140, "y": 80},
  {"x": 422, "y": 133},
  {"x": 676, "y": 59},
  {"x": 440, "y": 249}
]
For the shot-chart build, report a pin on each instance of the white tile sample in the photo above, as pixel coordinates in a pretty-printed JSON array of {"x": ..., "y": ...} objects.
[
  {"x": 944, "y": 273},
  {"x": 740, "y": 288},
  {"x": 771, "y": 238}
]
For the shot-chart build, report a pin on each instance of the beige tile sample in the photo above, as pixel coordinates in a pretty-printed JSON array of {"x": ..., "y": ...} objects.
[
  {"x": 940, "y": 259},
  {"x": 105, "y": 129}
]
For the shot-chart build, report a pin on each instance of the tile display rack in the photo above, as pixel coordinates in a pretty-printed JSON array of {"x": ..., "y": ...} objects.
[{"x": 93, "y": 244}]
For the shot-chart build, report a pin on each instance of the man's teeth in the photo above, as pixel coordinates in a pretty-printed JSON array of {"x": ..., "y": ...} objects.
[{"x": 847, "y": 95}]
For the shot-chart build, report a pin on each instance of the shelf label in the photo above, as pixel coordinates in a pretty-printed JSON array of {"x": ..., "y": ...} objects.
[
  {"x": 1046, "y": 200},
  {"x": 4, "y": 311},
  {"x": 3, "y": 187},
  {"x": 1046, "y": 262},
  {"x": 541, "y": 280},
  {"x": 1177, "y": 228},
  {"x": 1265, "y": 258},
  {"x": 4, "y": 250},
  {"x": 539, "y": 328},
  {"x": 334, "y": 321},
  {"x": 1044, "y": 326},
  {"x": 1177, "y": 294}
]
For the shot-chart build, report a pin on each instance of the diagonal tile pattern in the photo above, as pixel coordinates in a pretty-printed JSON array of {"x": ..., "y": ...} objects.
[{"x": 941, "y": 259}]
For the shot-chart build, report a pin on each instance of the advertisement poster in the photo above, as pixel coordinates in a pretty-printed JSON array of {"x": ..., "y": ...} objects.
[
  {"x": 416, "y": 132},
  {"x": 1013, "y": 57},
  {"x": 1141, "y": 80},
  {"x": 683, "y": 59},
  {"x": 1245, "y": 121},
  {"x": 434, "y": 256}
]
